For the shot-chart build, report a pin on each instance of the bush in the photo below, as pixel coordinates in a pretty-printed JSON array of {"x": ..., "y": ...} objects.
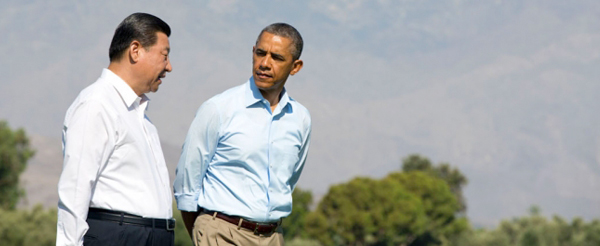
[{"x": 28, "y": 227}]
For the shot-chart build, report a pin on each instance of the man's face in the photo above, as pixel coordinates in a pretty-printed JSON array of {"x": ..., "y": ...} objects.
[
  {"x": 156, "y": 63},
  {"x": 272, "y": 62}
]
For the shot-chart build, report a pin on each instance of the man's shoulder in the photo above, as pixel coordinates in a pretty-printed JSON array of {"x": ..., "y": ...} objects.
[
  {"x": 299, "y": 108},
  {"x": 97, "y": 89},
  {"x": 98, "y": 93}
]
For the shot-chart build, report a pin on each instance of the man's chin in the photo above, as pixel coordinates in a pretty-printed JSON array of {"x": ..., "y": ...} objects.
[
  {"x": 263, "y": 85},
  {"x": 155, "y": 86}
]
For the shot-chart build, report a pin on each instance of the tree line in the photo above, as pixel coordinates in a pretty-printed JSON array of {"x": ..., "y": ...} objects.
[{"x": 420, "y": 204}]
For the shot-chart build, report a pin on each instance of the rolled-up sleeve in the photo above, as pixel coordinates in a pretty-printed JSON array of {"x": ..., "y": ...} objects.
[
  {"x": 197, "y": 152},
  {"x": 87, "y": 143}
]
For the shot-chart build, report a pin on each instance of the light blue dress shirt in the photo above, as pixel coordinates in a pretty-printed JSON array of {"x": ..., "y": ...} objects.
[{"x": 241, "y": 159}]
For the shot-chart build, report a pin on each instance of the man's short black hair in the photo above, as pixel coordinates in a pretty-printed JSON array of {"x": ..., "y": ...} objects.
[
  {"x": 138, "y": 26},
  {"x": 287, "y": 31}
]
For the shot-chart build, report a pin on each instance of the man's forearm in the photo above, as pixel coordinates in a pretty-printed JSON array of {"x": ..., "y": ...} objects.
[{"x": 188, "y": 219}]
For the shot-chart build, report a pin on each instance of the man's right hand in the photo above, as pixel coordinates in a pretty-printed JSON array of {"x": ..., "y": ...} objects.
[{"x": 188, "y": 219}]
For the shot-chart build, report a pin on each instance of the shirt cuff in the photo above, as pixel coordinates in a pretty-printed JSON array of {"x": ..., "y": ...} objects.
[{"x": 187, "y": 202}]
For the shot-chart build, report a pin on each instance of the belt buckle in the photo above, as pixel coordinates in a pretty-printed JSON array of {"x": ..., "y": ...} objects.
[
  {"x": 256, "y": 226},
  {"x": 168, "y": 221}
]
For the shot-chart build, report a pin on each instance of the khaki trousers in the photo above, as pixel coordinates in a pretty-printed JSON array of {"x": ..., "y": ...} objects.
[{"x": 212, "y": 231}]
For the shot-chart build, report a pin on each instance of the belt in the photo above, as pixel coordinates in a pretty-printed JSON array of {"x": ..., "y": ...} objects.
[
  {"x": 256, "y": 227},
  {"x": 125, "y": 218}
]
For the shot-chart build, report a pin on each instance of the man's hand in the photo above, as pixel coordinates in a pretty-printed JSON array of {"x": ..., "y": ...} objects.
[{"x": 188, "y": 220}]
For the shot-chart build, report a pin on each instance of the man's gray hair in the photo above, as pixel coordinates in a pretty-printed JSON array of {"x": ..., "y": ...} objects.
[{"x": 286, "y": 31}]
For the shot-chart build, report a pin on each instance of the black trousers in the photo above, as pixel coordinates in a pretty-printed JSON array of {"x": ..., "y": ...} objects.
[{"x": 108, "y": 233}]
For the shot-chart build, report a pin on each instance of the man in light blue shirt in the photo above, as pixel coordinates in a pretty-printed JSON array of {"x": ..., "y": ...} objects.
[{"x": 245, "y": 150}]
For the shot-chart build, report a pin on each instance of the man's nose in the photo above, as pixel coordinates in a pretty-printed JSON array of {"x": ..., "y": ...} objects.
[
  {"x": 169, "y": 68},
  {"x": 265, "y": 63}
]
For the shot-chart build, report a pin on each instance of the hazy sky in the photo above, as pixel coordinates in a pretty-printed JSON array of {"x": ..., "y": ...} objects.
[{"x": 505, "y": 90}]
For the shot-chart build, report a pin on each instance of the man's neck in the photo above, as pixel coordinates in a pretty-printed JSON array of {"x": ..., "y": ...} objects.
[
  {"x": 124, "y": 74},
  {"x": 273, "y": 97}
]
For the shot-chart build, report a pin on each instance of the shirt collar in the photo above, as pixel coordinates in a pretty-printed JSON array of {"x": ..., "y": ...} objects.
[
  {"x": 127, "y": 94},
  {"x": 253, "y": 95}
]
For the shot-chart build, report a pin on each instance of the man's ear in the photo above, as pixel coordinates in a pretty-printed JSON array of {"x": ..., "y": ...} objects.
[
  {"x": 297, "y": 66},
  {"x": 134, "y": 51}
]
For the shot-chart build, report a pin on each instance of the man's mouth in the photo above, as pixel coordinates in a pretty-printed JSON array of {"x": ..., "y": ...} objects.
[{"x": 263, "y": 75}]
